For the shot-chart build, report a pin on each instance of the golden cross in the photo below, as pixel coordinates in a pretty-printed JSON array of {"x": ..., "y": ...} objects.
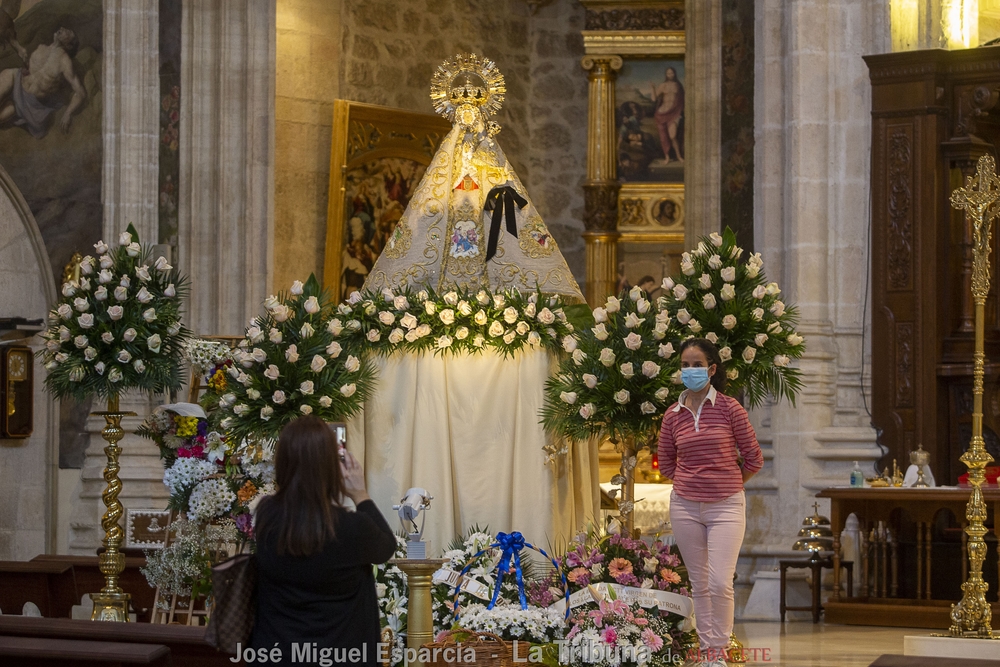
[{"x": 976, "y": 199}]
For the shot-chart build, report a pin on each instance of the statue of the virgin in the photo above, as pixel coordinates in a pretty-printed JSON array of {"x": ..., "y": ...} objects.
[{"x": 470, "y": 223}]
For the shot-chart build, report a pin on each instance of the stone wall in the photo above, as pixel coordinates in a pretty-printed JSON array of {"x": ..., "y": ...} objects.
[
  {"x": 557, "y": 124},
  {"x": 306, "y": 84},
  {"x": 27, "y": 466},
  {"x": 390, "y": 51},
  {"x": 385, "y": 53}
]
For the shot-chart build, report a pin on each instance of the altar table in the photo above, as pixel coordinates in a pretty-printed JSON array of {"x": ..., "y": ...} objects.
[{"x": 882, "y": 606}]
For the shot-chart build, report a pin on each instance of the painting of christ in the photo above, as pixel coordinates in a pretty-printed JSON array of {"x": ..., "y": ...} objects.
[{"x": 649, "y": 121}]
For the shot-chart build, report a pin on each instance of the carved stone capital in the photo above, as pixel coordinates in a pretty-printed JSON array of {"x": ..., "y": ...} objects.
[{"x": 600, "y": 200}]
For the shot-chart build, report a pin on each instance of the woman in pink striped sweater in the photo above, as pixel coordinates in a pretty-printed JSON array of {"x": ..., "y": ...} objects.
[{"x": 709, "y": 449}]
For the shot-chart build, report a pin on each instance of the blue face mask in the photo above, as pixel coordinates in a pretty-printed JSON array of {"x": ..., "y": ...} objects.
[{"x": 694, "y": 379}]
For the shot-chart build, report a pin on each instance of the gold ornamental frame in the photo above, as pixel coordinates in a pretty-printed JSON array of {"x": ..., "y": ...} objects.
[{"x": 363, "y": 133}]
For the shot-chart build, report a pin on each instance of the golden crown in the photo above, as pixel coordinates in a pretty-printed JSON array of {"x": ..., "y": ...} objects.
[{"x": 470, "y": 80}]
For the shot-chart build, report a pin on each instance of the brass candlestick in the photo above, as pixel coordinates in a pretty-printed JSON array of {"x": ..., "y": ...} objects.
[
  {"x": 419, "y": 614},
  {"x": 111, "y": 604},
  {"x": 971, "y": 616}
]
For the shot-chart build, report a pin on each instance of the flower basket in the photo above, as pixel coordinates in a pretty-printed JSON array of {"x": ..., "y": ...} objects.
[{"x": 490, "y": 650}]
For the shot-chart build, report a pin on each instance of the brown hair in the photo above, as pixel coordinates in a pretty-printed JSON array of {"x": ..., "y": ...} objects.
[
  {"x": 711, "y": 351},
  {"x": 301, "y": 516}
]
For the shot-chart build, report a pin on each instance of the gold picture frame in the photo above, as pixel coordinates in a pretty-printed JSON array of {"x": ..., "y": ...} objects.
[
  {"x": 651, "y": 206},
  {"x": 377, "y": 157},
  {"x": 651, "y": 234}
]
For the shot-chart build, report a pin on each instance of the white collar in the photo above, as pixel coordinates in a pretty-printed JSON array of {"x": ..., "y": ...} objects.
[{"x": 710, "y": 397}]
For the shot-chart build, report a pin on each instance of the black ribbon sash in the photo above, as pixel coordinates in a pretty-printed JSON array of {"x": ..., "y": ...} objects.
[{"x": 504, "y": 201}]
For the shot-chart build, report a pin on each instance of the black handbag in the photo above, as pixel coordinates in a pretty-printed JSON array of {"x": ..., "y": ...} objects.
[{"x": 234, "y": 591}]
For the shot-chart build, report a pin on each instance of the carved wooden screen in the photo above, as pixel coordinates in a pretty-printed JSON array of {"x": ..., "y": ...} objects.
[{"x": 932, "y": 117}]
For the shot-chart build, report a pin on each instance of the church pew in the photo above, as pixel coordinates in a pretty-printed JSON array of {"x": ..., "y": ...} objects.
[
  {"x": 33, "y": 652},
  {"x": 50, "y": 585},
  {"x": 90, "y": 580},
  {"x": 186, "y": 643}
]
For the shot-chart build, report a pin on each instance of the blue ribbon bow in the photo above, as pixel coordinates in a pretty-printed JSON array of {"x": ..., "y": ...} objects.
[{"x": 511, "y": 544}]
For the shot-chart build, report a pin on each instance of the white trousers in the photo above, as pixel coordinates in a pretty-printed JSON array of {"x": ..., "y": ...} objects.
[{"x": 709, "y": 536}]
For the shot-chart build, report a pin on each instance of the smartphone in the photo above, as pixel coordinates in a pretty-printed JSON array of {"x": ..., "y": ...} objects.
[{"x": 340, "y": 435}]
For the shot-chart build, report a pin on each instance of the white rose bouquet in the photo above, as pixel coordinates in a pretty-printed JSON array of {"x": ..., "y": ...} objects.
[
  {"x": 730, "y": 303},
  {"x": 291, "y": 364},
  {"x": 118, "y": 327},
  {"x": 617, "y": 379},
  {"x": 456, "y": 321}
]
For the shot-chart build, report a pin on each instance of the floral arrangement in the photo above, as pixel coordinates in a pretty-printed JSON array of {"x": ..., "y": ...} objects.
[
  {"x": 509, "y": 622},
  {"x": 456, "y": 321},
  {"x": 620, "y": 635},
  {"x": 208, "y": 482},
  {"x": 209, "y": 355},
  {"x": 594, "y": 558},
  {"x": 184, "y": 567},
  {"x": 183, "y": 432},
  {"x": 292, "y": 363},
  {"x": 460, "y": 553},
  {"x": 731, "y": 304},
  {"x": 118, "y": 327},
  {"x": 619, "y": 377}
]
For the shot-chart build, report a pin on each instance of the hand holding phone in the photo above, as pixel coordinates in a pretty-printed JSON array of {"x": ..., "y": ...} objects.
[{"x": 354, "y": 478}]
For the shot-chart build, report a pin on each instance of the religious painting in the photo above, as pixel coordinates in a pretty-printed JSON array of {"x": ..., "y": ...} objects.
[
  {"x": 649, "y": 120},
  {"x": 378, "y": 156},
  {"x": 377, "y": 192},
  {"x": 51, "y": 116},
  {"x": 51, "y": 141}
]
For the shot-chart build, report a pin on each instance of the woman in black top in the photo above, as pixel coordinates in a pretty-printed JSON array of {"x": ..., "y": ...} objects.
[{"x": 316, "y": 595}]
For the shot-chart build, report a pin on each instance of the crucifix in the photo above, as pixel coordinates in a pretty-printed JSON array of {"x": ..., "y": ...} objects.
[{"x": 971, "y": 616}]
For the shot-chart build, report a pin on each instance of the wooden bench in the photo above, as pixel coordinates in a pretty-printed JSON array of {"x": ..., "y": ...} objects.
[
  {"x": 186, "y": 643},
  {"x": 90, "y": 580},
  {"x": 37, "y": 652},
  {"x": 50, "y": 585}
]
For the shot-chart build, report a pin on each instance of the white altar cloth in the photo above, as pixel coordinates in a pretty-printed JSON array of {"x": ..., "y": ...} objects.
[
  {"x": 466, "y": 428},
  {"x": 652, "y": 507}
]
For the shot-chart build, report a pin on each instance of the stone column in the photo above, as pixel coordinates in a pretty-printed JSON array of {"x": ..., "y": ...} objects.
[
  {"x": 812, "y": 136},
  {"x": 702, "y": 119},
  {"x": 131, "y": 102},
  {"x": 226, "y": 216},
  {"x": 601, "y": 187}
]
